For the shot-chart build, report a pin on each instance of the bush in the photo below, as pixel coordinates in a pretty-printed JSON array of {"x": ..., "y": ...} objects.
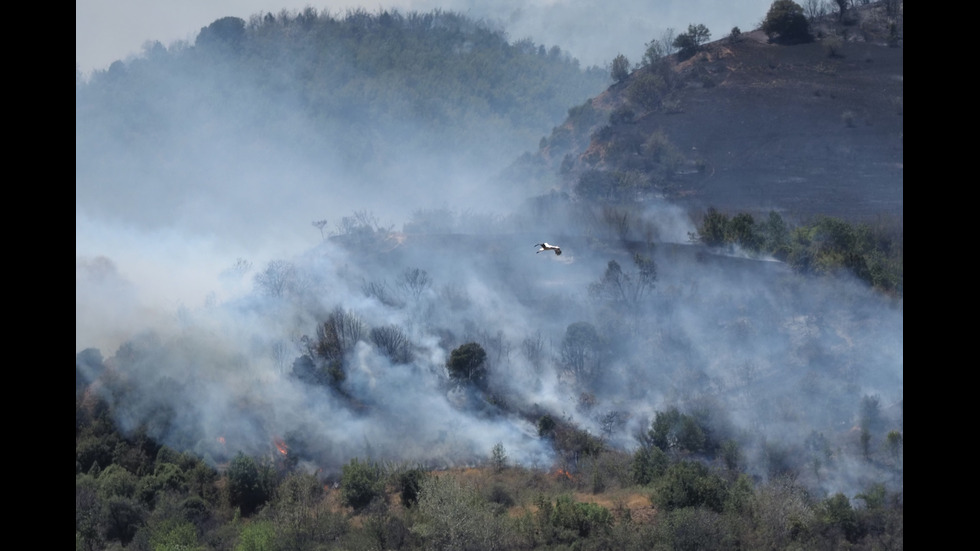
[
  {"x": 647, "y": 90},
  {"x": 690, "y": 484},
  {"x": 735, "y": 36},
  {"x": 571, "y": 520}
]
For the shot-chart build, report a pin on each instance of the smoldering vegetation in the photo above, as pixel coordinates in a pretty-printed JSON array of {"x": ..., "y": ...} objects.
[
  {"x": 199, "y": 168},
  {"x": 341, "y": 352},
  {"x": 197, "y": 154}
]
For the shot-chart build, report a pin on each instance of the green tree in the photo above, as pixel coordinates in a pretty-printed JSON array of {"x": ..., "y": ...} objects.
[
  {"x": 735, "y": 36},
  {"x": 301, "y": 515},
  {"x": 743, "y": 232},
  {"x": 117, "y": 481},
  {"x": 658, "y": 49},
  {"x": 838, "y": 517},
  {"x": 690, "y": 484},
  {"x": 782, "y": 512},
  {"x": 578, "y": 520},
  {"x": 690, "y": 43},
  {"x": 649, "y": 463},
  {"x": 259, "y": 535},
  {"x": 249, "y": 483},
  {"x": 620, "y": 68},
  {"x": 869, "y": 415},
  {"x": 88, "y": 509},
  {"x": 361, "y": 483},
  {"x": 123, "y": 516},
  {"x": 411, "y": 482},
  {"x": 467, "y": 363},
  {"x": 546, "y": 426},
  {"x": 775, "y": 236},
  {"x": 452, "y": 515},
  {"x": 786, "y": 22},
  {"x": 697, "y": 528},
  {"x": 498, "y": 457},
  {"x": 174, "y": 535},
  {"x": 647, "y": 90},
  {"x": 874, "y": 497},
  {"x": 712, "y": 229},
  {"x": 673, "y": 430},
  {"x": 225, "y": 34}
]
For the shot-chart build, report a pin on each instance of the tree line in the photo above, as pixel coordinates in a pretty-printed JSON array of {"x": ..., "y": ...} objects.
[
  {"x": 871, "y": 252},
  {"x": 352, "y": 75},
  {"x": 683, "y": 488}
]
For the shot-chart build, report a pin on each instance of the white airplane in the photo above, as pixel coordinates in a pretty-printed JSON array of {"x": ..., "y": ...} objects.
[{"x": 547, "y": 247}]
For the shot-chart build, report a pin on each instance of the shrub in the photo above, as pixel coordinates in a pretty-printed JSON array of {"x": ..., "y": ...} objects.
[
  {"x": 571, "y": 519},
  {"x": 833, "y": 46},
  {"x": 647, "y": 90},
  {"x": 690, "y": 484},
  {"x": 735, "y": 36}
]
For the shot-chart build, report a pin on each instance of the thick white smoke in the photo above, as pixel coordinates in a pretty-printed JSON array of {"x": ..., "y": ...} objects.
[{"x": 173, "y": 286}]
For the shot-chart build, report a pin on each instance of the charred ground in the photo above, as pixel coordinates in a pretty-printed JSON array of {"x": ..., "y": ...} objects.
[{"x": 753, "y": 125}]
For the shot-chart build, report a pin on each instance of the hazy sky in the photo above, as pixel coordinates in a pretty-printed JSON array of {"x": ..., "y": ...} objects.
[{"x": 591, "y": 30}]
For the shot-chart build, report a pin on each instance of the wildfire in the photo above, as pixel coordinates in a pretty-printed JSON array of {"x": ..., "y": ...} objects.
[
  {"x": 563, "y": 474},
  {"x": 281, "y": 446},
  {"x": 221, "y": 440}
]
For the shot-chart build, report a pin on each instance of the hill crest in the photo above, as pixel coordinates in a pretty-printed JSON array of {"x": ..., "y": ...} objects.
[{"x": 749, "y": 125}]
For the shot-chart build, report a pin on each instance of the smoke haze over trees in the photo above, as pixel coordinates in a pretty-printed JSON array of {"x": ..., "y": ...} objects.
[{"x": 412, "y": 322}]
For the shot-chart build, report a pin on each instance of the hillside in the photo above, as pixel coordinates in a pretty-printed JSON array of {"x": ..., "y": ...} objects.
[
  {"x": 439, "y": 384},
  {"x": 301, "y": 113},
  {"x": 751, "y": 125}
]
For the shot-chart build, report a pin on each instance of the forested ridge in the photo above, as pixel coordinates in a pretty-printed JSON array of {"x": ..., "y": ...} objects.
[
  {"x": 349, "y": 86},
  {"x": 675, "y": 379}
]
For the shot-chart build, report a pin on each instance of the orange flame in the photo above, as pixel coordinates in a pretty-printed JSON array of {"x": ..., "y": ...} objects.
[
  {"x": 281, "y": 446},
  {"x": 221, "y": 440},
  {"x": 562, "y": 473}
]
